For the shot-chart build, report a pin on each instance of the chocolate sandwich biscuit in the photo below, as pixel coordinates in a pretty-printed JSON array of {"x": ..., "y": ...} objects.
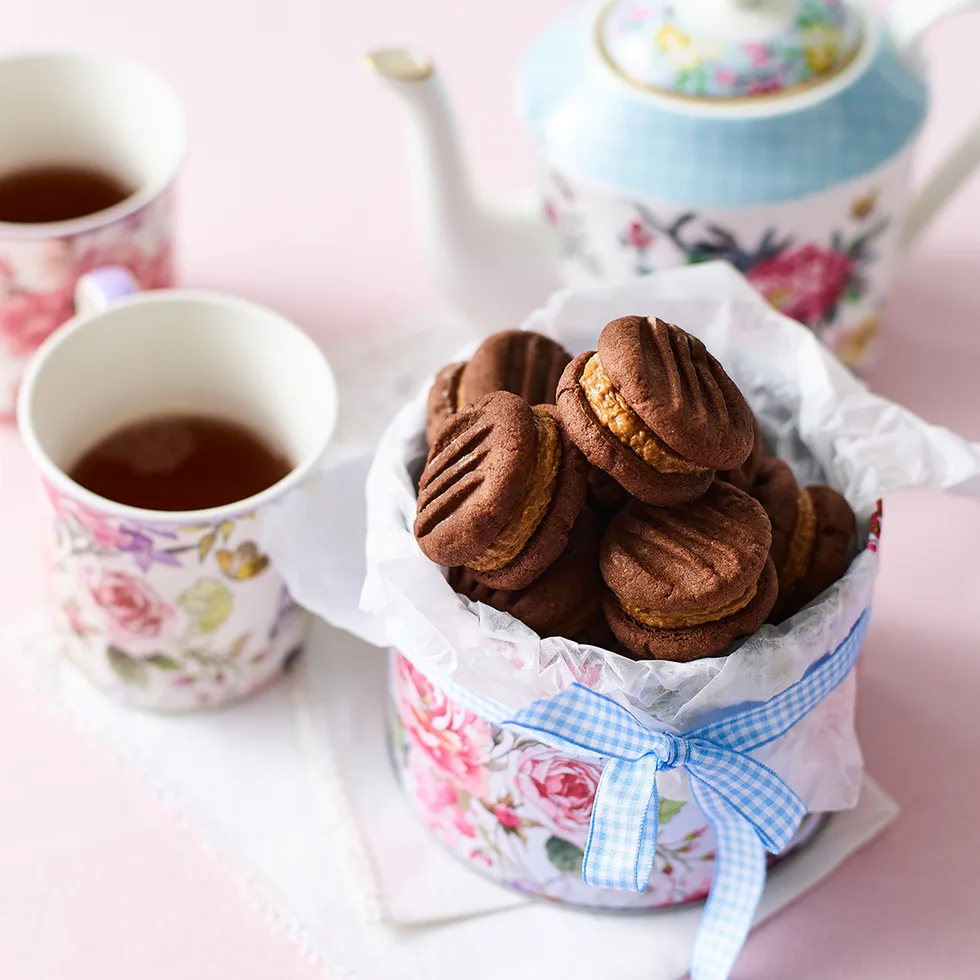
[
  {"x": 564, "y": 601},
  {"x": 818, "y": 552},
  {"x": 655, "y": 410},
  {"x": 443, "y": 400},
  {"x": 500, "y": 492},
  {"x": 551, "y": 534},
  {"x": 776, "y": 489},
  {"x": 606, "y": 496},
  {"x": 520, "y": 361},
  {"x": 686, "y": 582},
  {"x": 744, "y": 476}
]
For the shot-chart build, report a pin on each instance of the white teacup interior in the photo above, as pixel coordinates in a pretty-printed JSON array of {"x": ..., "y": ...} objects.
[
  {"x": 99, "y": 111},
  {"x": 180, "y": 353}
]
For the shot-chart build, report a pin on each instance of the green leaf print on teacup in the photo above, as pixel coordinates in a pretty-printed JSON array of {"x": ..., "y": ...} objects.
[
  {"x": 208, "y": 603},
  {"x": 129, "y": 669},
  {"x": 204, "y": 546}
]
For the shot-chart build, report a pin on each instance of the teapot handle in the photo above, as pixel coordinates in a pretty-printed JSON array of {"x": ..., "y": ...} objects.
[{"x": 909, "y": 20}]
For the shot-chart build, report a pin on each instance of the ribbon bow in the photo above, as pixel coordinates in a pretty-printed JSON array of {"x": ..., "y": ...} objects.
[{"x": 751, "y": 810}]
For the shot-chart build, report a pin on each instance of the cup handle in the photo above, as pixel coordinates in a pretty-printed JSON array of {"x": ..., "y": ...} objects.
[
  {"x": 909, "y": 20},
  {"x": 99, "y": 289}
]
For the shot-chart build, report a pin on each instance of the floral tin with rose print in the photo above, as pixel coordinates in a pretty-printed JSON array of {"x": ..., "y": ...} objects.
[
  {"x": 519, "y": 811},
  {"x": 588, "y": 778},
  {"x": 511, "y": 747}
]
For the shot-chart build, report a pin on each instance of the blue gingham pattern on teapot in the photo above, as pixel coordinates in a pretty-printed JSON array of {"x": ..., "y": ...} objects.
[{"x": 595, "y": 126}]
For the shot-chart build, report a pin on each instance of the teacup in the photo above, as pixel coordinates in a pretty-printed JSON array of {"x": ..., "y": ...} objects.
[
  {"x": 94, "y": 111},
  {"x": 161, "y": 609}
]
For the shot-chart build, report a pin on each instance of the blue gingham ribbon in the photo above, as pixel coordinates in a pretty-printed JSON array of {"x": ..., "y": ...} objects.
[{"x": 751, "y": 810}]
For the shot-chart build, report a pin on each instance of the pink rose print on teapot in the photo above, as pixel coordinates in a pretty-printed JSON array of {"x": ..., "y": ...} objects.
[{"x": 806, "y": 283}]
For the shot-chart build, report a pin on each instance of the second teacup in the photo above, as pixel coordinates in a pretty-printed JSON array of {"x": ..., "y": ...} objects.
[
  {"x": 90, "y": 149},
  {"x": 162, "y": 609}
]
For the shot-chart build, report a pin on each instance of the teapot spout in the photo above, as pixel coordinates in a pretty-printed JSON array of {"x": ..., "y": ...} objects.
[{"x": 495, "y": 262}]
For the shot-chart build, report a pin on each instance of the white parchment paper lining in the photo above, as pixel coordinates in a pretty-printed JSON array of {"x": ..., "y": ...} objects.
[{"x": 815, "y": 415}]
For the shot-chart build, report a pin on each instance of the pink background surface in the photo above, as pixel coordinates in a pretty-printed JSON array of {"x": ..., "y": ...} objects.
[{"x": 294, "y": 196}]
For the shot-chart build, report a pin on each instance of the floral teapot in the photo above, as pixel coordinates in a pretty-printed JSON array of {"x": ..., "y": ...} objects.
[{"x": 775, "y": 134}]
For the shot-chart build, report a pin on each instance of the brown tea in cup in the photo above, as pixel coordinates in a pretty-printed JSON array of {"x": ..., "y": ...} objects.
[
  {"x": 180, "y": 463},
  {"x": 58, "y": 192}
]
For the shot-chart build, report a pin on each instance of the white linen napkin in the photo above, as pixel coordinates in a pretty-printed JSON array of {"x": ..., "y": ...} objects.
[{"x": 294, "y": 793}]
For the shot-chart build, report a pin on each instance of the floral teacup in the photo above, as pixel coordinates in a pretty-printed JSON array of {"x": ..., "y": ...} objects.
[
  {"x": 100, "y": 112},
  {"x": 172, "y": 610}
]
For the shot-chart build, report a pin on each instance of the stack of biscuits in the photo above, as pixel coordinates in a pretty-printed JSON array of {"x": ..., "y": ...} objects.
[{"x": 622, "y": 498}]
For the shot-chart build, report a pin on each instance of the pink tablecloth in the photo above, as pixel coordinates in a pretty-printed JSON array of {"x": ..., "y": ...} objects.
[{"x": 294, "y": 196}]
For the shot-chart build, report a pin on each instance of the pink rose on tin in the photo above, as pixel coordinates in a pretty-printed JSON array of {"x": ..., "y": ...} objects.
[
  {"x": 806, "y": 283},
  {"x": 561, "y": 788},
  {"x": 132, "y": 605},
  {"x": 480, "y": 857},
  {"x": 444, "y": 809},
  {"x": 669, "y": 885},
  {"x": 508, "y": 817},
  {"x": 456, "y": 741}
]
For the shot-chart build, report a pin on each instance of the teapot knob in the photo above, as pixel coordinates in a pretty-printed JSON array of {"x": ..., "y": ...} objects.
[
  {"x": 726, "y": 49},
  {"x": 737, "y": 20}
]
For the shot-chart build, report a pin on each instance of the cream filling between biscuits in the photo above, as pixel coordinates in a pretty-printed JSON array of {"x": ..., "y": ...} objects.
[
  {"x": 799, "y": 554},
  {"x": 672, "y": 621},
  {"x": 535, "y": 502},
  {"x": 613, "y": 413}
]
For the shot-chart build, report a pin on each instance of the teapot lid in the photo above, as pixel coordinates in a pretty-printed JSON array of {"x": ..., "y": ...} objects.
[{"x": 727, "y": 49}]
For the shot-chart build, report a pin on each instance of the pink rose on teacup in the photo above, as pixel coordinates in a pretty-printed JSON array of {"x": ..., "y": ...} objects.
[
  {"x": 103, "y": 532},
  {"x": 455, "y": 740},
  {"x": 133, "y": 607},
  {"x": 152, "y": 269},
  {"x": 561, "y": 788},
  {"x": 28, "y": 318}
]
